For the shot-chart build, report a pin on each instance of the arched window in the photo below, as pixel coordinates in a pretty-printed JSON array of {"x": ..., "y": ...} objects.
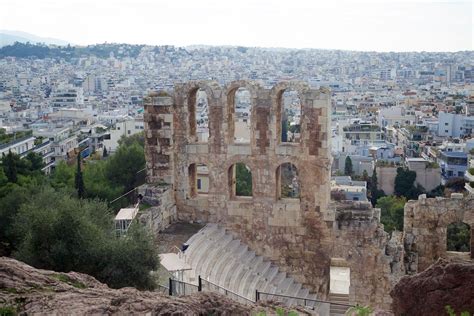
[
  {"x": 198, "y": 179},
  {"x": 458, "y": 237},
  {"x": 290, "y": 116},
  {"x": 198, "y": 108},
  {"x": 288, "y": 184},
  {"x": 240, "y": 115},
  {"x": 240, "y": 180}
]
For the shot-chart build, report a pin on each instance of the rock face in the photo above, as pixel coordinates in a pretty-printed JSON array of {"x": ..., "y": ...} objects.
[
  {"x": 447, "y": 282},
  {"x": 35, "y": 291}
]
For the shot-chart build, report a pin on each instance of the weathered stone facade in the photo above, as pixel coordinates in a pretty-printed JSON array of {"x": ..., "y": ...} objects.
[
  {"x": 303, "y": 236},
  {"x": 425, "y": 228},
  {"x": 162, "y": 210}
]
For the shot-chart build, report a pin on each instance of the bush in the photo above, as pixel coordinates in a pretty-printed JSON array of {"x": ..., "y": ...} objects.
[
  {"x": 77, "y": 235},
  {"x": 392, "y": 212}
]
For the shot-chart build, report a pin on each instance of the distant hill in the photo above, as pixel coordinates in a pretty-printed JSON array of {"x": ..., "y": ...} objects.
[
  {"x": 40, "y": 51},
  {"x": 9, "y": 37}
]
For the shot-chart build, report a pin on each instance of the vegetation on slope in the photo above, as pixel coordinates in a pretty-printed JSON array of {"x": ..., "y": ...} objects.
[{"x": 45, "y": 224}]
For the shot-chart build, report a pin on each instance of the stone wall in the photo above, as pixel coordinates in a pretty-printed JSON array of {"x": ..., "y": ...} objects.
[
  {"x": 302, "y": 235},
  {"x": 162, "y": 211},
  {"x": 386, "y": 179},
  {"x": 425, "y": 228}
]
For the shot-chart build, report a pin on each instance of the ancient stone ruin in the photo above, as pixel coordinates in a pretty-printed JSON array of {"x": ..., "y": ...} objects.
[{"x": 201, "y": 136}]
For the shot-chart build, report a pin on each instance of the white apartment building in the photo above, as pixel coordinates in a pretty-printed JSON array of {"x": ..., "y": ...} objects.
[
  {"x": 124, "y": 128},
  {"x": 18, "y": 146},
  {"x": 455, "y": 125},
  {"x": 67, "y": 96}
]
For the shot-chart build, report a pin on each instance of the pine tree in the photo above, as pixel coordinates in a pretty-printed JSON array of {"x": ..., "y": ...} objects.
[
  {"x": 79, "y": 179},
  {"x": 348, "y": 166}
]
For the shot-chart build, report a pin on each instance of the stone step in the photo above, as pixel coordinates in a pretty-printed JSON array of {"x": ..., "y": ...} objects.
[
  {"x": 224, "y": 259},
  {"x": 215, "y": 255},
  {"x": 208, "y": 244},
  {"x": 196, "y": 246},
  {"x": 232, "y": 266}
]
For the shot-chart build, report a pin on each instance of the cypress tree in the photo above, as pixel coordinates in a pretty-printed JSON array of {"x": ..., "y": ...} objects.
[
  {"x": 79, "y": 179},
  {"x": 9, "y": 166},
  {"x": 373, "y": 187},
  {"x": 348, "y": 166}
]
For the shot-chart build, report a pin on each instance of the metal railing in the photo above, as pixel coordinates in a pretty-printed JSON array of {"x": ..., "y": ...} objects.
[
  {"x": 298, "y": 301},
  {"x": 212, "y": 287},
  {"x": 163, "y": 289},
  {"x": 178, "y": 288}
]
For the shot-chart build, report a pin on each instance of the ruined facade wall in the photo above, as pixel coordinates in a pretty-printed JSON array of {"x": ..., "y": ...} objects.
[
  {"x": 300, "y": 235},
  {"x": 425, "y": 228},
  {"x": 162, "y": 211}
]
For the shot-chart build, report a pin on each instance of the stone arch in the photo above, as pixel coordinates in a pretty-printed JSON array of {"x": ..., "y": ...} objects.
[
  {"x": 288, "y": 184},
  {"x": 191, "y": 89},
  {"x": 277, "y": 99},
  {"x": 240, "y": 180},
  {"x": 458, "y": 237},
  {"x": 231, "y": 91},
  {"x": 198, "y": 179}
]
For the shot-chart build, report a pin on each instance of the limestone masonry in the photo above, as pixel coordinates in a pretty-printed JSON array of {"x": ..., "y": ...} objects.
[{"x": 304, "y": 236}]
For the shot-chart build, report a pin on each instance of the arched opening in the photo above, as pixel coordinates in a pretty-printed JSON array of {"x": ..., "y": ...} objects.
[
  {"x": 240, "y": 115},
  {"x": 288, "y": 184},
  {"x": 198, "y": 175},
  {"x": 290, "y": 116},
  {"x": 240, "y": 180},
  {"x": 198, "y": 108},
  {"x": 458, "y": 237}
]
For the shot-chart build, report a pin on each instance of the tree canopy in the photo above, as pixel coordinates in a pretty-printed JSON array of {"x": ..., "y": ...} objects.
[
  {"x": 405, "y": 184},
  {"x": 45, "y": 224},
  {"x": 392, "y": 212}
]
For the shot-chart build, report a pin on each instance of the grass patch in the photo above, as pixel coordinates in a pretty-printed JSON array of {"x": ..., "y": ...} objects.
[
  {"x": 7, "y": 311},
  {"x": 64, "y": 278}
]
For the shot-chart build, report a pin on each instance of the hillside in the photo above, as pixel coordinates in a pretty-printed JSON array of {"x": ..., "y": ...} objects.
[
  {"x": 34, "y": 291},
  {"x": 10, "y": 37}
]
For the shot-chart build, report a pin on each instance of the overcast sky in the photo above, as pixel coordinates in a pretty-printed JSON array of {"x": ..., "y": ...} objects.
[{"x": 381, "y": 25}]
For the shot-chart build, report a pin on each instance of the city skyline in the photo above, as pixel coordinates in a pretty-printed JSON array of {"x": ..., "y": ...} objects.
[{"x": 368, "y": 26}]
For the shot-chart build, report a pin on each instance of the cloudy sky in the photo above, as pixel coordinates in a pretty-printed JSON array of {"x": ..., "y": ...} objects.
[{"x": 379, "y": 25}]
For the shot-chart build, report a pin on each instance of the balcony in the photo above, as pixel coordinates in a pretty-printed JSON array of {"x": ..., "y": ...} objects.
[{"x": 469, "y": 175}]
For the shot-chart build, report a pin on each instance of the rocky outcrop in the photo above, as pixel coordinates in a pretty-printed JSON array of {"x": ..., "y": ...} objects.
[
  {"x": 447, "y": 282},
  {"x": 33, "y": 291}
]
